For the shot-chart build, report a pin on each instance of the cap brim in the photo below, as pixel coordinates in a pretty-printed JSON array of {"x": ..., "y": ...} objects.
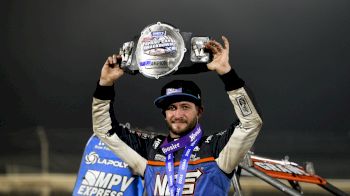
[{"x": 166, "y": 100}]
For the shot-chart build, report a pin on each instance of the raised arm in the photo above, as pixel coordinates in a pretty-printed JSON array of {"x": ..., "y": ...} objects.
[
  {"x": 233, "y": 146},
  {"x": 118, "y": 138}
]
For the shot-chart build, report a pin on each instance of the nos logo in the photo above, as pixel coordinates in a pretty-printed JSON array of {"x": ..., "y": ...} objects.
[{"x": 162, "y": 188}]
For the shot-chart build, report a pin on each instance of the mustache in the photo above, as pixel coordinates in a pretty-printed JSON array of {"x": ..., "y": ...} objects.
[{"x": 178, "y": 120}]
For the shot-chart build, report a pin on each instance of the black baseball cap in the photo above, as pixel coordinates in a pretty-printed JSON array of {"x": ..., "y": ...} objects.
[{"x": 179, "y": 90}]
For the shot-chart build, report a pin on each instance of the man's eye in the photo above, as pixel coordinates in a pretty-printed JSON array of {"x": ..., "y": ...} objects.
[
  {"x": 185, "y": 107},
  {"x": 171, "y": 107}
]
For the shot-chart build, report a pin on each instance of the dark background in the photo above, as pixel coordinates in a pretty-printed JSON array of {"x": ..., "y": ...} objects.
[{"x": 293, "y": 55}]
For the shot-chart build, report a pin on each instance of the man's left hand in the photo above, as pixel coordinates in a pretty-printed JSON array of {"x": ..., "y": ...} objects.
[{"x": 220, "y": 62}]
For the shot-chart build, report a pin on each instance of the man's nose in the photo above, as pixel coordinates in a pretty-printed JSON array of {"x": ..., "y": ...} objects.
[{"x": 178, "y": 113}]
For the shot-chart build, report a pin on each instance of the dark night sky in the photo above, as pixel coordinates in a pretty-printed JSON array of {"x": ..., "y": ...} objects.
[{"x": 293, "y": 55}]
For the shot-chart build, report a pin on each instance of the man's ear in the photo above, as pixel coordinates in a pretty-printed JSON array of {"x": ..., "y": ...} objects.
[{"x": 200, "y": 110}]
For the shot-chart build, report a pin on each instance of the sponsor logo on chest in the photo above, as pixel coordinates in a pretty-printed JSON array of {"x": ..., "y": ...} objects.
[{"x": 161, "y": 183}]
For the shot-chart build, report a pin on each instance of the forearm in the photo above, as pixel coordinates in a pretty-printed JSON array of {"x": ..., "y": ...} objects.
[
  {"x": 103, "y": 123},
  {"x": 245, "y": 133}
]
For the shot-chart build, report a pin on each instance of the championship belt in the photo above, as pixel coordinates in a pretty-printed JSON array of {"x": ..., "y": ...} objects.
[{"x": 162, "y": 49}]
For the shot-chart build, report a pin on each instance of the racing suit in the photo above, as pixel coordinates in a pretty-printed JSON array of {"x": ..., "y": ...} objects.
[{"x": 212, "y": 161}]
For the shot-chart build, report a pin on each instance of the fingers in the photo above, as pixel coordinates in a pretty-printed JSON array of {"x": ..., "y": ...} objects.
[
  {"x": 226, "y": 43},
  {"x": 113, "y": 60},
  {"x": 116, "y": 59},
  {"x": 216, "y": 47},
  {"x": 110, "y": 60}
]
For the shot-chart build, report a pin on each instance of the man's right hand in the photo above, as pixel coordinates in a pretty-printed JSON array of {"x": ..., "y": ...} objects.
[{"x": 111, "y": 71}]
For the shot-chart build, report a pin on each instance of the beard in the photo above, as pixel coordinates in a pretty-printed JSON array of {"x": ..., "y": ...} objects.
[{"x": 181, "y": 126}]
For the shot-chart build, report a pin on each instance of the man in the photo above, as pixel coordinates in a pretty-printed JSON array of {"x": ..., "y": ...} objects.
[{"x": 184, "y": 162}]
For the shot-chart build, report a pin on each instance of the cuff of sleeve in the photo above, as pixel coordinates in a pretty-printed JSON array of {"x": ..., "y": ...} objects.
[
  {"x": 104, "y": 92},
  {"x": 231, "y": 80}
]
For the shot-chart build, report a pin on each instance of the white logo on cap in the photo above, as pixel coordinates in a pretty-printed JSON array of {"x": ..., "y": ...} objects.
[{"x": 173, "y": 90}]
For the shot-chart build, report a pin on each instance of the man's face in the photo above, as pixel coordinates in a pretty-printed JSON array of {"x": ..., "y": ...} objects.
[{"x": 181, "y": 117}]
